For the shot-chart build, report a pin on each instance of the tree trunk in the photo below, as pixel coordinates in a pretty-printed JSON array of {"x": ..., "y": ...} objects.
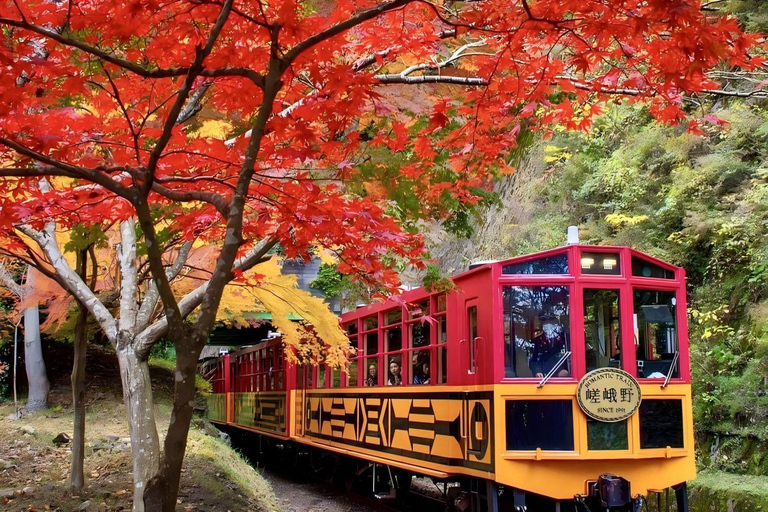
[
  {"x": 145, "y": 444},
  {"x": 33, "y": 361},
  {"x": 76, "y": 479},
  {"x": 164, "y": 488}
]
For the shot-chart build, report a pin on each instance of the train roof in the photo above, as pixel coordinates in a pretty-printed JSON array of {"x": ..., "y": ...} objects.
[
  {"x": 571, "y": 251},
  {"x": 562, "y": 250}
]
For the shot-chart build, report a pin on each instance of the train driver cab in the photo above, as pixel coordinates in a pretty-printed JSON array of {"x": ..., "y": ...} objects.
[{"x": 579, "y": 308}]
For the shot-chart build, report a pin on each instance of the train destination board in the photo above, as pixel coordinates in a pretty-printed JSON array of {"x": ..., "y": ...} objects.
[{"x": 609, "y": 395}]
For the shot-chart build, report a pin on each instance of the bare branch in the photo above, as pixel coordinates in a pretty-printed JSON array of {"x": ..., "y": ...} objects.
[
  {"x": 70, "y": 280},
  {"x": 343, "y": 26},
  {"x": 137, "y": 69},
  {"x": 193, "y": 195},
  {"x": 152, "y": 296},
  {"x": 7, "y": 280},
  {"x": 193, "y": 299},
  {"x": 430, "y": 79}
]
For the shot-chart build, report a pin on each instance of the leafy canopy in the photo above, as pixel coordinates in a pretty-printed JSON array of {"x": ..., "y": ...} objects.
[{"x": 241, "y": 121}]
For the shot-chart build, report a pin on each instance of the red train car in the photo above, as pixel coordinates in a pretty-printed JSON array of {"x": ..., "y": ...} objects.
[{"x": 552, "y": 381}]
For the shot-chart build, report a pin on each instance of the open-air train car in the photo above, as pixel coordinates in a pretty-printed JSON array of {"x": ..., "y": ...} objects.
[{"x": 554, "y": 381}]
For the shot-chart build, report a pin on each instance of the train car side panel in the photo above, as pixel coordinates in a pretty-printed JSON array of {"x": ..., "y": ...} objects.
[{"x": 447, "y": 430}]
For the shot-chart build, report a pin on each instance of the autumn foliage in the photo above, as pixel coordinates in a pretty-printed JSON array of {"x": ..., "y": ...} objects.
[
  {"x": 89, "y": 89},
  {"x": 241, "y": 125}
]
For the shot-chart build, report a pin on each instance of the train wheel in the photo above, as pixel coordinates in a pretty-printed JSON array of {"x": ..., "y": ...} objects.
[
  {"x": 402, "y": 483},
  {"x": 322, "y": 464},
  {"x": 345, "y": 473}
]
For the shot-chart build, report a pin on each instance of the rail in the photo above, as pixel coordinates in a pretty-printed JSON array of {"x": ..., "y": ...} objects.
[
  {"x": 557, "y": 366},
  {"x": 671, "y": 369}
]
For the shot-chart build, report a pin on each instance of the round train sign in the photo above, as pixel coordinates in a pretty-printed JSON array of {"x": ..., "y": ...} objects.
[{"x": 609, "y": 395}]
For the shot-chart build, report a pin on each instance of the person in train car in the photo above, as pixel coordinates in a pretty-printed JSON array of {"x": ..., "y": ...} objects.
[
  {"x": 548, "y": 346},
  {"x": 395, "y": 379},
  {"x": 373, "y": 376},
  {"x": 422, "y": 377}
]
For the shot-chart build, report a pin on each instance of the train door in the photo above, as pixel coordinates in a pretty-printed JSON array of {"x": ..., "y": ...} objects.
[
  {"x": 602, "y": 323},
  {"x": 470, "y": 341}
]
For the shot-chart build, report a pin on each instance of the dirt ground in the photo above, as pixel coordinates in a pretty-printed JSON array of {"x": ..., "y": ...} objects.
[{"x": 34, "y": 471}]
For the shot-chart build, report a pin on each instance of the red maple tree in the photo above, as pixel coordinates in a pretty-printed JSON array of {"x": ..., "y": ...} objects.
[{"x": 103, "y": 105}]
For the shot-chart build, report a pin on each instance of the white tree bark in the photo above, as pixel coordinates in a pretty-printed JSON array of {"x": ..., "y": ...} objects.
[
  {"x": 129, "y": 286},
  {"x": 37, "y": 377},
  {"x": 145, "y": 442}
]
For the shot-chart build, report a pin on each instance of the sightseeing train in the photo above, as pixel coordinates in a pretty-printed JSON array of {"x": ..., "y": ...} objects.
[{"x": 556, "y": 381}]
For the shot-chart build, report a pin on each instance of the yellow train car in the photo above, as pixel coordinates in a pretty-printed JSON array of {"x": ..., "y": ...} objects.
[{"x": 556, "y": 381}]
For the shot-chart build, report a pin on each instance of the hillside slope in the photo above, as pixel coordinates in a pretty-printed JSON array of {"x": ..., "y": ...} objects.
[{"x": 34, "y": 471}]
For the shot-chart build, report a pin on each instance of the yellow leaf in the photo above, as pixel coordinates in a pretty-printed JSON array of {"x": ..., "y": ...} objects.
[
  {"x": 214, "y": 128},
  {"x": 280, "y": 295}
]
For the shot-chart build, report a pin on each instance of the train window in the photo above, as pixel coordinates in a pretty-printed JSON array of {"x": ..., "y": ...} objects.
[
  {"x": 419, "y": 335},
  {"x": 601, "y": 329},
  {"x": 557, "y": 264},
  {"x": 440, "y": 366},
  {"x": 472, "y": 335},
  {"x": 420, "y": 367},
  {"x": 371, "y": 372},
  {"x": 643, "y": 268},
  {"x": 661, "y": 424},
  {"x": 536, "y": 331},
  {"x": 545, "y": 424},
  {"x": 441, "y": 303},
  {"x": 393, "y": 317},
  {"x": 607, "y": 436},
  {"x": 394, "y": 371},
  {"x": 335, "y": 380},
  {"x": 420, "y": 358},
  {"x": 603, "y": 263},
  {"x": 352, "y": 373},
  {"x": 655, "y": 326},
  {"x": 394, "y": 339},
  {"x": 371, "y": 343},
  {"x": 419, "y": 309},
  {"x": 321, "y": 376}
]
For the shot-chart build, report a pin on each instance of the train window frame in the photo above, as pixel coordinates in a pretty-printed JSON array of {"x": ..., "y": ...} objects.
[
  {"x": 576, "y": 424},
  {"x": 550, "y": 281},
  {"x": 354, "y": 336},
  {"x": 507, "y": 265},
  {"x": 681, "y": 338},
  {"x": 428, "y": 309},
  {"x": 686, "y": 427},
  {"x": 637, "y": 260},
  {"x": 623, "y": 298},
  {"x": 439, "y": 358},
  {"x": 417, "y": 357}
]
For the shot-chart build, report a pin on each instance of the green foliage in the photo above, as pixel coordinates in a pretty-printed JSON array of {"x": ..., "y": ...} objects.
[
  {"x": 753, "y": 13},
  {"x": 163, "y": 350},
  {"x": 82, "y": 237},
  {"x": 329, "y": 280},
  {"x": 698, "y": 202},
  {"x": 434, "y": 281}
]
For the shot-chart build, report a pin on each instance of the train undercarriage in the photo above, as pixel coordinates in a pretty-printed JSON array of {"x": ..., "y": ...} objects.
[{"x": 608, "y": 493}]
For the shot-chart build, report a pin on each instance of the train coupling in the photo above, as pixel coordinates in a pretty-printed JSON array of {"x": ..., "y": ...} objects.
[{"x": 611, "y": 491}]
